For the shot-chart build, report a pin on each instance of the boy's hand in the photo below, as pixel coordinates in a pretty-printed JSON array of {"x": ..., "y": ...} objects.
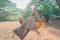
[{"x": 34, "y": 10}]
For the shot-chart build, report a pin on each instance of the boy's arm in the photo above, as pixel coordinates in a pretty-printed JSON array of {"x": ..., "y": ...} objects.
[{"x": 36, "y": 14}]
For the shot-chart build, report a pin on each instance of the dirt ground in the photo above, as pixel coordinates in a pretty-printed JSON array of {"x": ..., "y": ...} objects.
[{"x": 49, "y": 33}]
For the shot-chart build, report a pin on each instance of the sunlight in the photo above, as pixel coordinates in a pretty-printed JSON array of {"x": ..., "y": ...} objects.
[{"x": 21, "y": 4}]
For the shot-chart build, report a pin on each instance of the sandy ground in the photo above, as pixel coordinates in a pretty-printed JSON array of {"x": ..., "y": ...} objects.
[{"x": 49, "y": 33}]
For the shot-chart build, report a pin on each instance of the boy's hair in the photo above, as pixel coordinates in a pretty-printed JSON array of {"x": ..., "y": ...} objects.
[{"x": 47, "y": 17}]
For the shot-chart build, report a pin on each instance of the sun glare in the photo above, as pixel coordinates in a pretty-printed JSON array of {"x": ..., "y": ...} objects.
[{"x": 21, "y": 4}]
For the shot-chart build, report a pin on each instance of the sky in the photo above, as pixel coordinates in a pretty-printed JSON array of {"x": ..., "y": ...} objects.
[{"x": 21, "y": 4}]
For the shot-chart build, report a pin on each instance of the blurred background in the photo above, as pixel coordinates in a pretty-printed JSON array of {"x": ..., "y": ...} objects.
[{"x": 11, "y": 10}]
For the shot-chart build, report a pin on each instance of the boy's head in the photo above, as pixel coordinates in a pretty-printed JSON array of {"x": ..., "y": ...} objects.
[{"x": 47, "y": 17}]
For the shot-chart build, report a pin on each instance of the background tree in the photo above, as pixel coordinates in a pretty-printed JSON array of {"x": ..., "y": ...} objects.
[
  {"x": 44, "y": 7},
  {"x": 8, "y": 11}
]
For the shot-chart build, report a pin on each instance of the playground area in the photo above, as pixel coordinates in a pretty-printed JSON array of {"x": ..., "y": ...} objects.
[
  {"x": 29, "y": 19},
  {"x": 51, "y": 32}
]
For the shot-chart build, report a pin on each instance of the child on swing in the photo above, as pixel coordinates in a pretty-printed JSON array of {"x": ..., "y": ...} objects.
[
  {"x": 41, "y": 22},
  {"x": 30, "y": 24}
]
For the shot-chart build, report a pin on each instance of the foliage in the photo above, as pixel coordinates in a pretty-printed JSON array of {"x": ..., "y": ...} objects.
[
  {"x": 44, "y": 7},
  {"x": 8, "y": 11}
]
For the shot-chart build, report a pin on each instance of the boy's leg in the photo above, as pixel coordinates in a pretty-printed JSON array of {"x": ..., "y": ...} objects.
[{"x": 31, "y": 25}]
